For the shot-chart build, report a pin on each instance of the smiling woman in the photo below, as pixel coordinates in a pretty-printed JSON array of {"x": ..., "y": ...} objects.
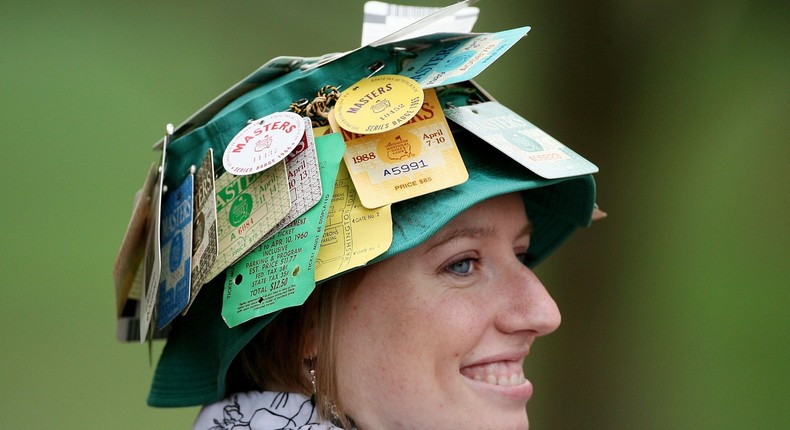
[
  {"x": 433, "y": 334},
  {"x": 459, "y": 313},
  {"x": 402, "y": 296}
]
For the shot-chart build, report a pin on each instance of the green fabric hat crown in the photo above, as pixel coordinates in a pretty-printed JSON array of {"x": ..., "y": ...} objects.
[{"x": 200, "y": 347}]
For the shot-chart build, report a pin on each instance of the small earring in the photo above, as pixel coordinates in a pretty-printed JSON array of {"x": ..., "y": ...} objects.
[
  {"x": 313, "y": 381},
  {"x": 330, "y": 405}
]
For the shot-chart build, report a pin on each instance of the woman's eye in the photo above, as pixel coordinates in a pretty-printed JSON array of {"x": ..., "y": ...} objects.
[{"x": 461, "y": 267}]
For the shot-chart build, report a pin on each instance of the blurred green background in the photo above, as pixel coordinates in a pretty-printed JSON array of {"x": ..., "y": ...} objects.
[{"x": 675, "y": 308}]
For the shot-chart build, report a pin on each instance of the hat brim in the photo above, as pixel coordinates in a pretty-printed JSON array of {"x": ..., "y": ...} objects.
[
  {"x": 555, "y": 207},
  {"x": 201, "y": 347}
]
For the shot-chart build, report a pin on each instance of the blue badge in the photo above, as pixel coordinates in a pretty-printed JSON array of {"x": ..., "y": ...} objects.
[{"x": 176, "y": 233}]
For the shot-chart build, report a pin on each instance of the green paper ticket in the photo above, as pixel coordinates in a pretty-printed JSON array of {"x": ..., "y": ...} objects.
[{"x": 280, "y": 272}]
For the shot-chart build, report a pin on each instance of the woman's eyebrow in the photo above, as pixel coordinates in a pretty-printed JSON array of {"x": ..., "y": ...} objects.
[{"x": 471, "y": 232}]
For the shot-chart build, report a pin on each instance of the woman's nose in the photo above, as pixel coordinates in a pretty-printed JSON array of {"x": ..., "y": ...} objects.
[{"x": 526, "y": 305}]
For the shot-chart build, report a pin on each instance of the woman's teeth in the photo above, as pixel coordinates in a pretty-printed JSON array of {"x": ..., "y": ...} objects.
[{"x": 500, "y": 373}]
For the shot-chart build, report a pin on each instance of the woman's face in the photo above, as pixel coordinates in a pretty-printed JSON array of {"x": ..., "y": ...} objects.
[{"x": 435, "y": 338}]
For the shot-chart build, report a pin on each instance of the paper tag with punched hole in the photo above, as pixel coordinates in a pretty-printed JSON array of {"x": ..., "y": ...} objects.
[
  {"x": 383, "y": 19},
  {"x": 280, "y": 272}
]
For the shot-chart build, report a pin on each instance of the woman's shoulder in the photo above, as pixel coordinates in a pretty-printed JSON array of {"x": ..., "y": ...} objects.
[{"x": 256, "y": 410}]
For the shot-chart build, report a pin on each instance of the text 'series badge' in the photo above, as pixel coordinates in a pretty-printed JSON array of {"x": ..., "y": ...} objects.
[
  {"x": 280, "y": 272},
  {"x": 248, "y": 207},
  {"x": 263, "y": 143},
  {"x": 521, "y": 140},
  {"x": 174, "y": 286},
  {"x": 378, "y": 104},
  {"x": 204, "y": 238},
  {"x": 417, "y": 158}
]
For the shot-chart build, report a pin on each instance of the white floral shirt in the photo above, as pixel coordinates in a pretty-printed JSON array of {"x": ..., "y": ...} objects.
[{"x": 262, "y": 411}]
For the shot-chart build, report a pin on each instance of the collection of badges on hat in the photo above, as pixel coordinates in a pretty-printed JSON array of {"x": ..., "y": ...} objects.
[{"x": 295, "y": 204}]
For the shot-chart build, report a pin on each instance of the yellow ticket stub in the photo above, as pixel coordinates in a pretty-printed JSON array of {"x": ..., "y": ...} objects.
[
  {"x": 353, "y": 234},
  {"x": 247, "y": 208},
  {"x": 416, "y": 158}
]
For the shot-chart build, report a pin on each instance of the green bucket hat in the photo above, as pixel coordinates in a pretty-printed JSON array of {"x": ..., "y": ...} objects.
[{"x": 200, "y": 348}]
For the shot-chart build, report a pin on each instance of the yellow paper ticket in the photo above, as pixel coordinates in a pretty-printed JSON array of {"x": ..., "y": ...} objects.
[
  {"x": 247, "y": 208},
  {"x": 416, "y": 158},
  {"x": 353, "y": 234}
]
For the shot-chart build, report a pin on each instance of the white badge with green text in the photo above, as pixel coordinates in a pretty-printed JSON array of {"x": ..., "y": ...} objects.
[{"x": 520, "y": 140}]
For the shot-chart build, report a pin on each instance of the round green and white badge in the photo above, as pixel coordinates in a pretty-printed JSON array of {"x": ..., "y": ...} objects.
[
  {"x": 263, "y": 143},
  {"x": 378, "y": 104}
]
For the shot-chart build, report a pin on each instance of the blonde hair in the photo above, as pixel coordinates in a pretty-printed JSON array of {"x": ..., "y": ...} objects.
[{"x": 275, "y": 358}]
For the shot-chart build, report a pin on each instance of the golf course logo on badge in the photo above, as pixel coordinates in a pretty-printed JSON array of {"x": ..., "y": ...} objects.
[
  {"x": 378, "y": 104},
  {"x": 401, "y": 147},
  {"x": 240, "y": 210},
  {"x": 455, "y": 62},
  {"x": 263, "y": 143}
]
